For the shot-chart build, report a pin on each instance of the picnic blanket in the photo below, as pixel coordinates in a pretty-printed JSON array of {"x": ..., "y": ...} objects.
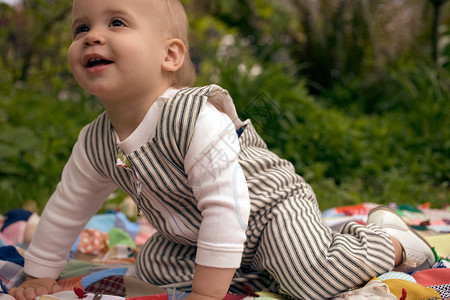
[{"x": 102, "y": 260}]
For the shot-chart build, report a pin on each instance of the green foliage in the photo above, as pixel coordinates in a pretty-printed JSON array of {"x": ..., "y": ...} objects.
[
  {"x": 401, "y": 155},
  {"x": 33, "y": 43},
  {"x": 37, "y": 132},
  {"x": 339, "y": 88},
  {"x": 443, "y": 47}
]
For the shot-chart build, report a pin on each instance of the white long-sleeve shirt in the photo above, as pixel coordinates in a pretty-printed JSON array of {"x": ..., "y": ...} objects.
[{"x": 221, "y": 191}]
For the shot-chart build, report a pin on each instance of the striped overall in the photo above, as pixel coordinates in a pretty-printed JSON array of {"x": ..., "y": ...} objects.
[{"x": 288, "y": 250}]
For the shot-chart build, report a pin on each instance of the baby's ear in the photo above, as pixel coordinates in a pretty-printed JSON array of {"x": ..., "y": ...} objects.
[{"x": 175, "y": 53}]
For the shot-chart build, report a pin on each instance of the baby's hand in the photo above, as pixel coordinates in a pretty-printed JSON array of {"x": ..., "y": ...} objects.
[{"x": 33, "y": 287}]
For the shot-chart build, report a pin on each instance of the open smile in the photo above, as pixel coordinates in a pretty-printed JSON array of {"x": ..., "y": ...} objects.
[{"x": 95, "y": 63}]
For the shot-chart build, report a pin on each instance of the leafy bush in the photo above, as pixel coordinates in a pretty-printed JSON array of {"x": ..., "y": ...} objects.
[
  {"x": 397, "y": 153},
  {"x": 37, "y": 132},
  {"x": 349, "y": 156}
]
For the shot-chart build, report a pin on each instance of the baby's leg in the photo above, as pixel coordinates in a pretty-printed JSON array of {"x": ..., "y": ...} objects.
[
  {"x": 165, "y": 263},
  {"x": 171, "y": 265},
  {"x": 309, "y": 261}
]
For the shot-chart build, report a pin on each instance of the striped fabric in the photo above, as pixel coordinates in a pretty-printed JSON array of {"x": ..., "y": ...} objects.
[
  {"x": 288, "y": 249},
  {"x": 11, "y": 275}
]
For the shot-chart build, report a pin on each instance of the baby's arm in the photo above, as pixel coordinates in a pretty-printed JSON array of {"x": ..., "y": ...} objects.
[
  {"x": 210, "y": 283},
  {"x": 220, "y": 187},
  {"x": 77, "y": 197}
]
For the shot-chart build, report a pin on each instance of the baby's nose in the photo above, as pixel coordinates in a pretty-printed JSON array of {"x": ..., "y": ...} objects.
[{"x": 93, "y": 38}]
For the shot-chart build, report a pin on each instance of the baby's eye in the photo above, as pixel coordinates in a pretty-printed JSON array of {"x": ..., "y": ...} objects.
[
  {"x": 81, "y": 28},
  {"x": 117, "y": 23}
]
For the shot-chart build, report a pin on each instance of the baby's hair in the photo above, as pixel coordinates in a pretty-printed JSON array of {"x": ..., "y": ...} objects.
[{"x": 179, "y": 27}]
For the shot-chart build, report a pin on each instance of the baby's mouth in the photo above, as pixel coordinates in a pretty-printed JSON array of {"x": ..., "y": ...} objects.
[{"x": 97, "y": 62}]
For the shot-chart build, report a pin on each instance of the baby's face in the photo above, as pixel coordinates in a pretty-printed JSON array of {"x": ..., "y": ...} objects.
[{"x": 118, "y": 46}]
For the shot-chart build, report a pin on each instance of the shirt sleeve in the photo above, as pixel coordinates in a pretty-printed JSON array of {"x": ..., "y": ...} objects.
[
  {"x": 77, "y": 197},
  {"x": 220, "y": 187}
]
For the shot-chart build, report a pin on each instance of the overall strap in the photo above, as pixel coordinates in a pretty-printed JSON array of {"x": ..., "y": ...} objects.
[
  {"x": 101, "y": 150},
  {"x": 177, "y": 122}
]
